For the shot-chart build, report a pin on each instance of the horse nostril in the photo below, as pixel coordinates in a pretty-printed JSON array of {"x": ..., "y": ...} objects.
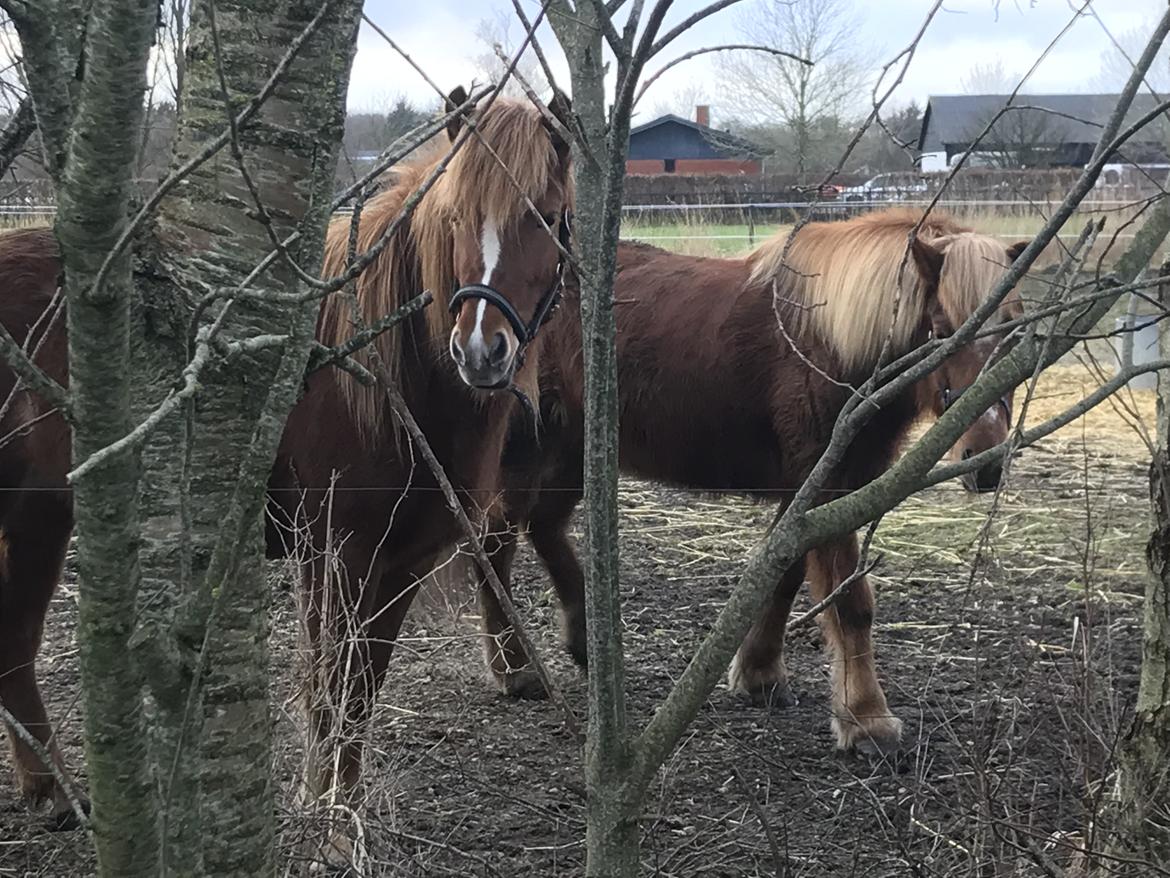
[
  {"x": 457, "y": 354},
  {"x": 968, "y": 453},
  {"x": 499, "y": 351}
]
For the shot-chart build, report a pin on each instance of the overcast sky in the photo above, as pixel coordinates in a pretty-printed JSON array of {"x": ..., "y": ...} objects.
[{"x": 440, "y": 35}]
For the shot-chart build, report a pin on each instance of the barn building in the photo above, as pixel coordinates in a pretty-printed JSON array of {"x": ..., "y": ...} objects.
[
  {"x": 673, "y": 145},
  {"x": 1052, "y": 131}
]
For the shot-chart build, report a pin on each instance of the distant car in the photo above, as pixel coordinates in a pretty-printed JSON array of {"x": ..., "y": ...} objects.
[{"x": 886, "y": 187}]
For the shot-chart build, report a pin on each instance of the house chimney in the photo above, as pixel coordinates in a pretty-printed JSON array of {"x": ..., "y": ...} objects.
[{"x": 703, "y": 115}]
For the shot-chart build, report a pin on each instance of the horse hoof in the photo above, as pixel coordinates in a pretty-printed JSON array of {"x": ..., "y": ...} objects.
[
  {"x": 524, "y": 685},
  {"x": 881, "y": 742},
  {"x": 67, "y": 820},
  {"x": 774, "y": 696},
  {"x": 883, "y": 755},
  {"x": 578, "y": 652}
]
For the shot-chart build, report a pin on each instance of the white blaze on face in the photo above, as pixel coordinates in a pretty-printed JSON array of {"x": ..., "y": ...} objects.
[{"x": 489, "y": 244}]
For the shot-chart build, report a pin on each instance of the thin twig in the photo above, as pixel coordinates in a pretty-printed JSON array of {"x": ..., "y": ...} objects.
[
  {"x": 399, "y": 407},
  {"x": 752, "y": 47},
  {"x": 864, "y": 568},
  {"x": 50, "y": 763}
]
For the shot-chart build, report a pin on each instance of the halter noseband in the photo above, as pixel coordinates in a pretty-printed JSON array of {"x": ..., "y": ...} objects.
[{"x": 549, "y": 299}]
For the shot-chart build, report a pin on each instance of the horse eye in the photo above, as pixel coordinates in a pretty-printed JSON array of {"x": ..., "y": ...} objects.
[{"x": 550, "y": 219}]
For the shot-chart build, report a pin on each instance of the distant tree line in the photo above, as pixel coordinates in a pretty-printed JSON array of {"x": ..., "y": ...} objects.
[{"x": 367, "y": 134}]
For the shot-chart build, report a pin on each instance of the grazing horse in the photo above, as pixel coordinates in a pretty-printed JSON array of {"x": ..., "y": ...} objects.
[
  {"x": 731, "y": 375},
  {"x": 366, "y": 521},
  {"x": 349, "y": 491}
]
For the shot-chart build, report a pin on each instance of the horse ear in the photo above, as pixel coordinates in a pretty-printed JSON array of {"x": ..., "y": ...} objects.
[
  {"x": 451, "y": 103},
  {"x": 929, "y": 262},
  {"x": 1014, "y": 250},
  {"x": 561, "y": 108}
]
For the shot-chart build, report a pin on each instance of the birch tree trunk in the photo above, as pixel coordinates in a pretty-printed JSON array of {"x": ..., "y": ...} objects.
[
  {"x": 95, "y": 185},
  {"x": 205, "y": 473},
  {"x": 1143, "y": 813}
]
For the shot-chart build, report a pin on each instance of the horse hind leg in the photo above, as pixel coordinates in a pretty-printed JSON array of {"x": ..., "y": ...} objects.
[
  {"x": 548, "y": 532},
  {"x": 758, "y": 669},
  {"x": 32, "y": 554},
  {"x": 861, "y": 717}
]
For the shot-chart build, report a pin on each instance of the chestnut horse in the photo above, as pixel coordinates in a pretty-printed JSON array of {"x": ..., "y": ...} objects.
[
  {"x": 478, "y": 241},
  {"x": 715, "y": 395},
  {"x": 349, "y": 491}
]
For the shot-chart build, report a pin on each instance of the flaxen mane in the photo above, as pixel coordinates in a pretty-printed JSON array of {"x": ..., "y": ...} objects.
[
  {"x": 972, "y": 266},
  {"x": 419, "y": 255},
  {"x": 842, "y": 279}
]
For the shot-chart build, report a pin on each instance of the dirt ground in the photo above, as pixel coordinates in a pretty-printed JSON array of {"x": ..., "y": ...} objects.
[{"x": 1008, "y": 643}]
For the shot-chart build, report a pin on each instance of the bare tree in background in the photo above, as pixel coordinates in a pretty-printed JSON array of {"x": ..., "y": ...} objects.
[
  {"x": 763, "y": 88},
  {"x": 681, "y": 102},
  {"x": 1117, "y": 61},
  {"x": 497, "y": 38},
  {"x": 988, "y": 78}
]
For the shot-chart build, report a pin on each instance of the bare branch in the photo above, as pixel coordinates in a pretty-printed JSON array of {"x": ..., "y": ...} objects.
[
  {"x": 752, "y": 47},
  {"x": 52, "y": 392},
  {"x": 49, "y": 762},
  {"x": 16, "y": 134},
  {"x": 326, "y": 356},
  {"x": 682, "y": 27},
  {"x": 139, "y": 434}
]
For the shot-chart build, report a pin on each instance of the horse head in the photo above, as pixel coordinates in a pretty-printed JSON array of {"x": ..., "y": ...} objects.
[
  {"x": 510, "y": 194},
  {"x": 973, "y": 265}
]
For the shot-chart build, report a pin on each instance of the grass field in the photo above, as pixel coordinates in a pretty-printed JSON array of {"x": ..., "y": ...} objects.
[{"x": 697, "y": 237}]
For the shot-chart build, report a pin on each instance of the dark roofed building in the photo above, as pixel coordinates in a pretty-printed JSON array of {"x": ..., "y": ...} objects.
[
  {"x": 1060, "y": 130},
  {"x": 673, "y": 145}
]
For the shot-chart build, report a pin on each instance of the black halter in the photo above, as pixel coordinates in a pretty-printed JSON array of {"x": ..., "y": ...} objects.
[{"x": 525, "y": 332}]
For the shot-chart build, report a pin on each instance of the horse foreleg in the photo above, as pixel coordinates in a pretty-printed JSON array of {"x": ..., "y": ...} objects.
[
  {"x": 32, "y": 554},
  {"x": 506, "y": 658},
  {"x": 758, "y": 669},
  {"x": 351, "y": 639},
  {"x": 350, "y": 646},
  {"x": 861, "y": 717}
]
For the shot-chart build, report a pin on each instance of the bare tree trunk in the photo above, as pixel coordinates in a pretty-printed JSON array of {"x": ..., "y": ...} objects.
[
  {"x": 206, "y": 472},
  {"x": 611, "y": 823},
  {"x": 1143, "y": 812},
  {"x": 95, "y": 185}
]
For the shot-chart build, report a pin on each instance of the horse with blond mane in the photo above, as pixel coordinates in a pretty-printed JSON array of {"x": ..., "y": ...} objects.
[
  {"x": 347, "y": 481},
  {"x": 731, "y": 374},
  {"x": 345, "y": 495}
]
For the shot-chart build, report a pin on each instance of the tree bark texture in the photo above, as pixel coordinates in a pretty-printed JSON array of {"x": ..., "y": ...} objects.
[
  {"x": 95, "y": 183},
  {"x": 1143, "y": 813},
  {"x": 612, "y": 824},
  {"x": 205, "y": 473}
]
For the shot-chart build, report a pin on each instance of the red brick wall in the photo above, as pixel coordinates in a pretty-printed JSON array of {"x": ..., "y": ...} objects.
[
  {"x": 694, "y": 166},
  {"x": 717, "y": 166},
  {"x": 645, "y": 166}
]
